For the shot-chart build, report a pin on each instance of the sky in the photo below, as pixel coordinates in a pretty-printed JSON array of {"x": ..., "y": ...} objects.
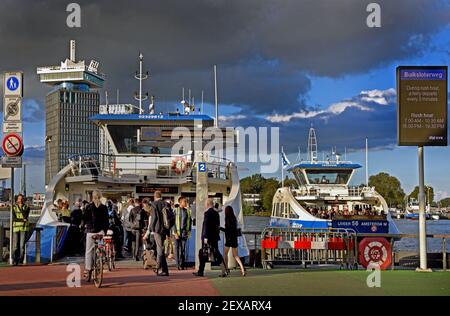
[{"x": 282, "y": 63}]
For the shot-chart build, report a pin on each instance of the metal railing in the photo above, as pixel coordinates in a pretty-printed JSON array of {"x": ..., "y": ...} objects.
[{"x": 308, "y": 246}]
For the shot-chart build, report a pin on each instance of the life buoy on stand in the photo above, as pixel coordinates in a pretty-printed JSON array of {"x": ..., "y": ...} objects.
[
  {"x": 179, "y": 165},
  {"x": 375, "y": 250}
]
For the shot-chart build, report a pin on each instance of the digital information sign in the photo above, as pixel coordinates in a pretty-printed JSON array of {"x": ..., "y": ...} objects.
[{"x": 422, "y": 94}]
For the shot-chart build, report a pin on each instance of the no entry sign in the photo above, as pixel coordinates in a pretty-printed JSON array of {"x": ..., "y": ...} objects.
[{"x": 12, "y": 145}]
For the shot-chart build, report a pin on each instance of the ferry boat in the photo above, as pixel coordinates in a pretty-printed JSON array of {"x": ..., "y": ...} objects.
[
  {"x": 412, "y": 210},
  {"x": 323, "y": 204},
  {"x": 136, "y": 159},
  {"x": 324, "y": 198}
]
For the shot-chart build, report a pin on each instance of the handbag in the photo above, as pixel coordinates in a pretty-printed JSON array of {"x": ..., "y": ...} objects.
[{"x": 208, "y": 253}]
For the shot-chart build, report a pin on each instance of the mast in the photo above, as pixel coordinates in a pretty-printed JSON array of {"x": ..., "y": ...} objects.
[
  {"x": 367, "y": 163},
  {"x": 139, "y": 76}
]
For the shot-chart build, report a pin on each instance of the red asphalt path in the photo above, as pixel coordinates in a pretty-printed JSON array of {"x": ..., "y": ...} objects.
[{"x": 50, "y": 280}]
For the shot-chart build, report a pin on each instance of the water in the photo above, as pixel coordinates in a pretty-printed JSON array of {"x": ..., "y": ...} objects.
[{"x": 257, "y": 223}]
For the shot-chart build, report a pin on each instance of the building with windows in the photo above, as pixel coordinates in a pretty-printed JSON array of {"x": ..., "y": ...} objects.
[{"x": 72, "y": 100}]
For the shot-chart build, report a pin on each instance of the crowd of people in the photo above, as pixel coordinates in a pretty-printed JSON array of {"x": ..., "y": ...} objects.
[
  {"x": 161, "y": 225},
  {"x": 332, "y": 212}
]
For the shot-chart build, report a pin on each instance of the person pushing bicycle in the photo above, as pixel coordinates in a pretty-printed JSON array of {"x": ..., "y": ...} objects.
[{"x": 96, "y": 221}]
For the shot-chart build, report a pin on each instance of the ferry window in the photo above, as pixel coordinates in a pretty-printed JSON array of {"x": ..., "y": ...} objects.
[{"x": 331, "y": 176}]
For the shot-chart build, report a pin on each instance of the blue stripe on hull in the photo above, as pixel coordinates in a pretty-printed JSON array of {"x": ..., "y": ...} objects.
[{"x": 283, "y": 222}]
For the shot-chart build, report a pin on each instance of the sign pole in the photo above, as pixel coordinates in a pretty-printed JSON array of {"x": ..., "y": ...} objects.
[
  {"x": 422, "y": 225},
  {"x": 11, "y": 234}
]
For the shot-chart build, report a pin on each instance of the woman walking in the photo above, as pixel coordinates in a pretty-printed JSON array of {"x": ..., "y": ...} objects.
[{"x": 231, "y": 237}]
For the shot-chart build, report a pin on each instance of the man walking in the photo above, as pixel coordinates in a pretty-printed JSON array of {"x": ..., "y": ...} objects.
[
  {"x": 211, "y": 237},
  {"x": 21, "y": 228},
  {"x": 159, "y": 233},
  {"x": 181, "y": 231}
]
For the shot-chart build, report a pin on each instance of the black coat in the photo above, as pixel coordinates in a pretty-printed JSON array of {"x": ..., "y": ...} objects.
[
  {"x": 211, "y": 226},
  {"x": 96, "y": 219}
]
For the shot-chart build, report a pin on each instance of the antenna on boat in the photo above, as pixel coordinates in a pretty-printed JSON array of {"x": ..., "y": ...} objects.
[
  {"x": 367, "y": 162},
  {"x": 312, "y": 145},
  {"x": 139, "y": 76},
  {"x": 151, "y": 107},
  {"x": 106, "y": 98},
  {"x": 216, "y": 123},
  {"x": 345, "y": 153},
  {"x": 299, "y": 156},
  {"x": 117, "y": 96}
]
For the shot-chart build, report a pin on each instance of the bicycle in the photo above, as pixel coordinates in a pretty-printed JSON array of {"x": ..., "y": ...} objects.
[
  {"x": 110, "y": 252},
  {"x": 96, "y": 273}
]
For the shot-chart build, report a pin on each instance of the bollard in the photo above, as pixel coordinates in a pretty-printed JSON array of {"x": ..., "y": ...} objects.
[
  {"x": 38, "y": 245},
  {"x": 444, "y": 254}
]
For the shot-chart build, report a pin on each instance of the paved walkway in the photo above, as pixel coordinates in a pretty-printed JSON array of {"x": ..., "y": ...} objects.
[{"x": 128, "y": 279}]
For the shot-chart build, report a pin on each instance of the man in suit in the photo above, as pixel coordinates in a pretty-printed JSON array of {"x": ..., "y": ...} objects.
[{"x": 211, "y": 237}]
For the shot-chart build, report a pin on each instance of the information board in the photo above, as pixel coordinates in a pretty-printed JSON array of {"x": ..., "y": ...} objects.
[{"x": 422, "y": 95}]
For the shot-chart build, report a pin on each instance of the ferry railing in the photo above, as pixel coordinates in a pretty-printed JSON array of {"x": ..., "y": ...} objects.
[
  {"x": 308, "y": 246},
  {"x": 153, "y": 166}
]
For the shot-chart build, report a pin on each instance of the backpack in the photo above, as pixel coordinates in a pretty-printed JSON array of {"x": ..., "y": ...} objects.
[{"x": 168, "y": 217}]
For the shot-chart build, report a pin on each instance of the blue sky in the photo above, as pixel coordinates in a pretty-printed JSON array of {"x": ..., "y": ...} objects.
[{"x": 287, "y": 64}]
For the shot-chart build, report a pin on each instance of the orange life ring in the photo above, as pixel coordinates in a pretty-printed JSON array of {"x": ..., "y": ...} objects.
[
  {"x": 179, "y": 165},
  {"x": 375, "y": 250}
]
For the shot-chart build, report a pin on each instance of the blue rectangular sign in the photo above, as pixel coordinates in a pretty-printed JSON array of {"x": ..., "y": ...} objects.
[
  {"x": 423, "y": 74},
  {"x": 201, "y": 167}
]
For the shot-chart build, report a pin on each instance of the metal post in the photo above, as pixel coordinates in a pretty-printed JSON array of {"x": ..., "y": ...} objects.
[
  {"x": 216, "y": 98},
  {"x": 140, "y": 83},
  {"x": 11, "y": 219},
  {"x": 37, "y": 259},
  {"x": 201, "y": 196},
  {"x": 422, "y": 225},
  {"x": 1, "y": 241},
  {"x": 444, "y": 254}
]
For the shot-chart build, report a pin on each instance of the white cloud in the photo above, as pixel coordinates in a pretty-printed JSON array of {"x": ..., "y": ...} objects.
[{"x": 364, "y": 102}]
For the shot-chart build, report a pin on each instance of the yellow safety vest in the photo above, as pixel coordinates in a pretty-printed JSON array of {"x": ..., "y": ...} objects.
[
  {"x": 178, "y": 221},
  {"x": 20, "y": 223}
]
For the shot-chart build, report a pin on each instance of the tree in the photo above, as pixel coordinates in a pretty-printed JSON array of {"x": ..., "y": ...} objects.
[
  {"x": 445, "y": 202},
  {"x": 269, "y": 188},
  {"x": 429, "y": 194},
  {"x": 252, "y": 184},
  {"x": 389, "y": 187}
]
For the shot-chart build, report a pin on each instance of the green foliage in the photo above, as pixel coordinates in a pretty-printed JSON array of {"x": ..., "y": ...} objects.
[
  {"x": 252, "y": 184},
  {"x": 247, "y": 209},
  {"x": 389, "y": 187},
  {"x": 445, "y": 202},
  {"x": 429, "y": 193},
  {"x": 269, "y": 188}
]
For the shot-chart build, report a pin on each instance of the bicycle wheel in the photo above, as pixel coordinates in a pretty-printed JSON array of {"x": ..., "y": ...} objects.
[{"x": 98, "y": 270}]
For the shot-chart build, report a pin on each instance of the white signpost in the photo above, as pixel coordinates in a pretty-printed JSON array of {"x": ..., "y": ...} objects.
[{"x": 12, "y": 144}]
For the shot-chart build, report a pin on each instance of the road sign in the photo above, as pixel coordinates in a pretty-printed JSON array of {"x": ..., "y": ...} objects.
[
  {"x": 422, "y": 105},
  {"x": 13, "y": 83},
  {"x": 12, "y": 145},
  {"x": 11, "y": 162},
  {"x": 201, "y": 167},
  {"x": 12, "y": 127},
  {"x": 12, "y": 109}
]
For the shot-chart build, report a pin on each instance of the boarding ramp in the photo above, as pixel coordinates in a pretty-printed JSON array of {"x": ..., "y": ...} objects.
[{"x": 308, "y": 246}]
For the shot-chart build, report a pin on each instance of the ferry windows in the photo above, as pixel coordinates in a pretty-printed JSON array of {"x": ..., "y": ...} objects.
[
  {"x": 332, "y": 176},
  {"x": 300, "y": 177}
]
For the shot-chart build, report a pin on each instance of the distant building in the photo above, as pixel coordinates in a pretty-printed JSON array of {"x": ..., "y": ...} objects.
[
  {"x": 252, "y": 199},
  {"x": 38, "y": 199},
  {"x": 68, "y": 106}
]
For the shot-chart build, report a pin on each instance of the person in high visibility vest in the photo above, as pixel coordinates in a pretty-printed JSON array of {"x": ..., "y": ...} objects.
[
  {"x": 21, "y": 226},
  {"x": 181, "y": 231}
]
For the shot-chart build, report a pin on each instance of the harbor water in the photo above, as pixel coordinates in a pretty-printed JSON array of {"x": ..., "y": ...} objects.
[{"x": 257, "y": 223}]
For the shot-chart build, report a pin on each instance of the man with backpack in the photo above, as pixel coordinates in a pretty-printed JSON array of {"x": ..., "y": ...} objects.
[{"x": 160, "y": 226}]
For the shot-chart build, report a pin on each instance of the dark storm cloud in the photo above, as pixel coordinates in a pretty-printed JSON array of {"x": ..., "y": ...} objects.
[{"x": 265, "y": 49}]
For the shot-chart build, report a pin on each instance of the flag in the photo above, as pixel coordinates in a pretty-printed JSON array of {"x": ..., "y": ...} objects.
[{"x": 285, "y": 160}]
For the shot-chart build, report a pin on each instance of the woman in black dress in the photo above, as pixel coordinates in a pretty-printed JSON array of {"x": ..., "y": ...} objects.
[{"x": 231, "y": 237}]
